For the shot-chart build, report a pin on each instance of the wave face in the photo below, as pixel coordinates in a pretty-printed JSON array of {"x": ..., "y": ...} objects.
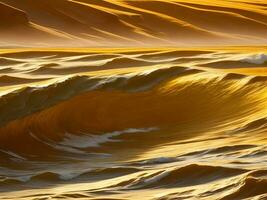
[{"x": 120, "y": 124}]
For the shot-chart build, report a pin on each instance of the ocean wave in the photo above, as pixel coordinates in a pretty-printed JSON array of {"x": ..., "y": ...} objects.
[
  {"x": 257, "y": 59},
  {"x": 189, "y": 175},
  {"x": 126, "y": 62},
  {"x": 64, "y": 176},
  {"x": 9, "y": 61},
  {"x": 84, "y": 104},
  {"x": 160, "y": 160},
  {"x": 249, "y": 187},
  {"x": 32, "y": 99},
  {"x": 236, "y": 61},
  {"x": 6, "y": 80},
  {"x": 172, "y": 54}
]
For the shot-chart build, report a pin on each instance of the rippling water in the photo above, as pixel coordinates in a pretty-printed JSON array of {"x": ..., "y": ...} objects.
[{"x": 133, "y": 124}]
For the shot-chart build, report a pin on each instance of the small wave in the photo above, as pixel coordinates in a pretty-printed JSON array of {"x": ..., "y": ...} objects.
[
  {"x": 238, "y": 61},
  {"x": 172, "y": 54},
  {"x": 258, "y": 173},
  {"x": 189, "y": 175},
  {"x": 11, "y": 80},
  {"x": 257, "y": 59},
  {"x": 256, "y": 153},
  {"x": 94, "y": 57},
  {"x": 46, "y": 176},
  {"x": 256, "y": 124},
  {"x": 257, "y": 79},
  {"x": 122, "y": 62},
  {"x": 9, "y": 61},
  {"x": 218, "y": 150},
  {"x": 227, "y": 149},
  {"x": 233, "y": 76},
  {"x": 49, "y": 69},
  {"x": 249, "y": 187},
  {"x": 160, "y": 160},
  {"x": 91, "y": 174},
  {"x": 5, "y": 182}
]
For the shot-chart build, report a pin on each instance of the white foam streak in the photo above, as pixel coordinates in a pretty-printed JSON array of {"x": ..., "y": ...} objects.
[{"x": 90, "y": 140}]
